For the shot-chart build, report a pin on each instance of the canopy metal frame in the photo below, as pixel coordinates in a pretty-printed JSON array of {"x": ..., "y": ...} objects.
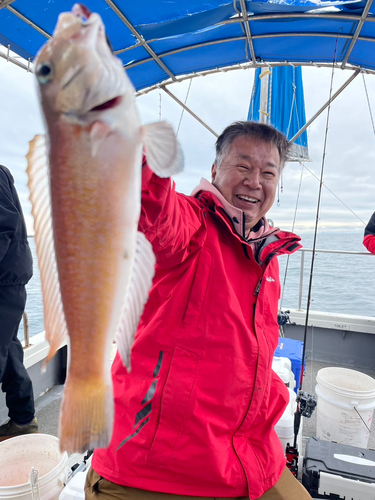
[
  {"x": 244, "y": 18},
  {"x": 355, "y": 37},
  {"x": 140, "y": 39}
]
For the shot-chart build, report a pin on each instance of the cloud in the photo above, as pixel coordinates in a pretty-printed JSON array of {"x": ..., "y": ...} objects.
[{"x": 219, "y": 100}]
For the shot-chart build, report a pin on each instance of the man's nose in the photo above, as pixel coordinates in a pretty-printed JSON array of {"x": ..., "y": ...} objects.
[{"x": 252, "y": 179}]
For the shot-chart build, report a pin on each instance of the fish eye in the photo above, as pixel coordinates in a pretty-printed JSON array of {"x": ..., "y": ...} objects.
[{"x": 45, "y": 72}]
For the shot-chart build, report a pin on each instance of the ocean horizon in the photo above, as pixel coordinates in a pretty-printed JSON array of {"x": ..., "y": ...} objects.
[{"x": 342, "y": 283}]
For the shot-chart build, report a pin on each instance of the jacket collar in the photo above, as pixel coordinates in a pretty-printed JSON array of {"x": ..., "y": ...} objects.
[{"x": 259, "y": 231}]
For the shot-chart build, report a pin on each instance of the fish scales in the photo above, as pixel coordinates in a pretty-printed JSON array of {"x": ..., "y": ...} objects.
[{"x": 84, "y": 181}]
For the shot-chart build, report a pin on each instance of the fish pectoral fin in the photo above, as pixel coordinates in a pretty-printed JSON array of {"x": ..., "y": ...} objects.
[
  {"x": 142, "y": 273},
  {"x": 163, "y": 151},
  {"x": 38, "y": 183}
]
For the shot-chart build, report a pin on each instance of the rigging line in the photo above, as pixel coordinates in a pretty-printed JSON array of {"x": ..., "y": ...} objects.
[
  {"x": 294, "y": 221},
  {"x": 325, "y": 185},
  {"x": 182, "y": 112},
  {"x": 368, "y": 102},
  {"x": 293, "y": 101},
  {"x": 318, "y": 212},
  {"x": 291, "y": 114}
]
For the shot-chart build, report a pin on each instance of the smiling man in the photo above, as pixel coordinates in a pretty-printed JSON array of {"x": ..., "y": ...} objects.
[
  {"x": 196, "y": 415},
  {"x": 248, "y": 174}
]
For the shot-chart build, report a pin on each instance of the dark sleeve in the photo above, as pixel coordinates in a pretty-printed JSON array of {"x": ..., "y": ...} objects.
[
  {"x": 369, "y": 236},
  {"x": 9, "y": 214},
  {"x": 168, "y": 219}
]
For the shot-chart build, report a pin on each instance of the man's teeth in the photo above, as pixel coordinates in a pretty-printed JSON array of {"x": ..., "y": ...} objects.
[{"x": 247, "y": 198}]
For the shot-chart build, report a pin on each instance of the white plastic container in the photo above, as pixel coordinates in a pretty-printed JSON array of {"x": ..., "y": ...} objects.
[
  {"x": 285, "y": 426},
  {"x": 346, "y": 401},
  {"x": 75, "y": 489},
  {"x": 283, "y": 368},
  {"x": 19, "y": 455}
]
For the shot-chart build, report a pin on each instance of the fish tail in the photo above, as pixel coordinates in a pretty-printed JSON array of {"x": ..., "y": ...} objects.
[{"x": 86, "y": 418}]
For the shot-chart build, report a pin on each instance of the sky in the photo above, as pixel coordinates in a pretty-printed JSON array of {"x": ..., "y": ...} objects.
[{"x": 349, "y": 165}]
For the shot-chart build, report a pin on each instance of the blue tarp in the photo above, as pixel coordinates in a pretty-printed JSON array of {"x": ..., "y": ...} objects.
[
  {"x": 198, "y": 35},
  {"x": 286, "y": 106}
]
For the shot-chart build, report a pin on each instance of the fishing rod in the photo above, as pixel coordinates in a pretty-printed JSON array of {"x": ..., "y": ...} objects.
[{"x": 306, "y": 402}]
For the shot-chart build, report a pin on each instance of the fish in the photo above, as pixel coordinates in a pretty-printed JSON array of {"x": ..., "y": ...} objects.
[{"x": 84, "y": 178}]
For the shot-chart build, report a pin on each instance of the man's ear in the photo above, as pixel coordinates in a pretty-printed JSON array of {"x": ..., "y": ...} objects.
[{"x": 213, "y": 172}]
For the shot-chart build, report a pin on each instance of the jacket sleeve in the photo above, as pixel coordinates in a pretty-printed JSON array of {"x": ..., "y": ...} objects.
[
  {"x": 9, "y": 215},
  {"x": 172, "y": 222},
  {"x": 369, "y": 237}
]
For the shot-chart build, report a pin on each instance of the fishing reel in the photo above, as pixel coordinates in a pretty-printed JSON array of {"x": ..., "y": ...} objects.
[
  {"x": 307, "y": 403},
  {"x": 283, "y": 318}
]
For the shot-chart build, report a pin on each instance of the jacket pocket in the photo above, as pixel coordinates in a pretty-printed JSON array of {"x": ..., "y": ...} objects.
[
  {"x": 198, "y": 289},
  {"x": 174, "y": 405}
]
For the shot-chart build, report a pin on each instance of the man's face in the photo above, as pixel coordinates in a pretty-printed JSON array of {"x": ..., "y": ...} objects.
[{"x": 248, "y": 177}]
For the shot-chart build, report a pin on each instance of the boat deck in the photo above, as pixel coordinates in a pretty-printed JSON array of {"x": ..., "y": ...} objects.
[{"x": 48, "y": 405}]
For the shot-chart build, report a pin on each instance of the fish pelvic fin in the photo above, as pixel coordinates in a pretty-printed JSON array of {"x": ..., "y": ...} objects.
[
  {"x": 38, "y": 184},
  {"x": 86, "y": 417},
  {"x": 140, "y": 283},
  {"x": 163, "y": 151}
]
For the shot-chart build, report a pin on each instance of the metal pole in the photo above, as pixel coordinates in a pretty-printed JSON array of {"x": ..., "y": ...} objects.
[
  {"x": 189, "y": 111},
  {"x": 26, "y": 329},
  {"x": 264, "y": 84},
  {"x": 338, "y": 92},
  {"x": 357, "y": 32}
]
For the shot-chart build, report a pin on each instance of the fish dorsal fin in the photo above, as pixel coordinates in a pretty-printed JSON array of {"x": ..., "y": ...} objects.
[
  {"x": 38, "y": 183},
  {"x": 142, "y": 273},
  {"x": 163, "y": 152}
]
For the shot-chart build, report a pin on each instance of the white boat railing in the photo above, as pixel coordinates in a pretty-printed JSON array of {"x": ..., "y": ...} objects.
[{"x": 309, "y": 250}]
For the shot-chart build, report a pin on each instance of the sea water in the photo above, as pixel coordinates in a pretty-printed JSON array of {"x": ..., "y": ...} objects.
[{"x": 341, "y": 283}]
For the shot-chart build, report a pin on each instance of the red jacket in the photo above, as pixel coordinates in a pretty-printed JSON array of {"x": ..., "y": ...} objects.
[
  {"x": 369, "y": 237},
  {"x": 196, "y": 414}
]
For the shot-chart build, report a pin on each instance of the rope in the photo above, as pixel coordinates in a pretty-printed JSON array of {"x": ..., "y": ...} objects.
[
  {"x": 368, "y": 103},
  {"x": 182, "y": 112},
  {"x": 346, "y": 206}
]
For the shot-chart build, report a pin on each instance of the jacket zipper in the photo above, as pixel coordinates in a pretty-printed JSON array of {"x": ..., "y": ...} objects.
[{"x": 256, "y": 291}]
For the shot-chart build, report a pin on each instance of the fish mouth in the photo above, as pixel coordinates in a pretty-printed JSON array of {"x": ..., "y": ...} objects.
[{"x": 110, "y": 104}]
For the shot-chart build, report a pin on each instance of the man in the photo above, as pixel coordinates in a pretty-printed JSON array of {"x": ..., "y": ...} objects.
[
  {"x": 195, "y": 416},
  {"x": 16, "y": 269},
  {"x": 369, "y": 236}
]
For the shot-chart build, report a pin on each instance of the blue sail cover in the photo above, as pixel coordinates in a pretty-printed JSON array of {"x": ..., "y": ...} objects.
[
  {"x": 163, "y": 41},
  {"x": 285, "y": 106}
]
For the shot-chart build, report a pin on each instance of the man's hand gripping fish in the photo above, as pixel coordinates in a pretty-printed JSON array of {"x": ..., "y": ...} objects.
[{"x": 85, "y": 187}]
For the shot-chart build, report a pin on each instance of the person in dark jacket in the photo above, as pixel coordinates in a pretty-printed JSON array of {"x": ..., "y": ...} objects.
[
  {"x": 369, "y": 236},
  {"x": 16, "y": 269}
]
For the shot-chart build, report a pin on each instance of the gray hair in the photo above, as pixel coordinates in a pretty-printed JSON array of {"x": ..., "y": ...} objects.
[{"x": 260, "y": 131}]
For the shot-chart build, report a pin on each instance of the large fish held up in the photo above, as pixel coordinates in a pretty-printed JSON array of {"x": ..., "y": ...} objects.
[{"x": 85, "y": 187}]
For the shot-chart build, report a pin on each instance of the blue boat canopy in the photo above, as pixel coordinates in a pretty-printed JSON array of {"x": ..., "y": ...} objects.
[{"x": 162, "y": 41}]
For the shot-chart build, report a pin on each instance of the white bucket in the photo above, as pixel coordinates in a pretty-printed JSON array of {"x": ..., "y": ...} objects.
[
  {"x": 19, "y": 455},
  {"x": 346, "y": 401}
]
